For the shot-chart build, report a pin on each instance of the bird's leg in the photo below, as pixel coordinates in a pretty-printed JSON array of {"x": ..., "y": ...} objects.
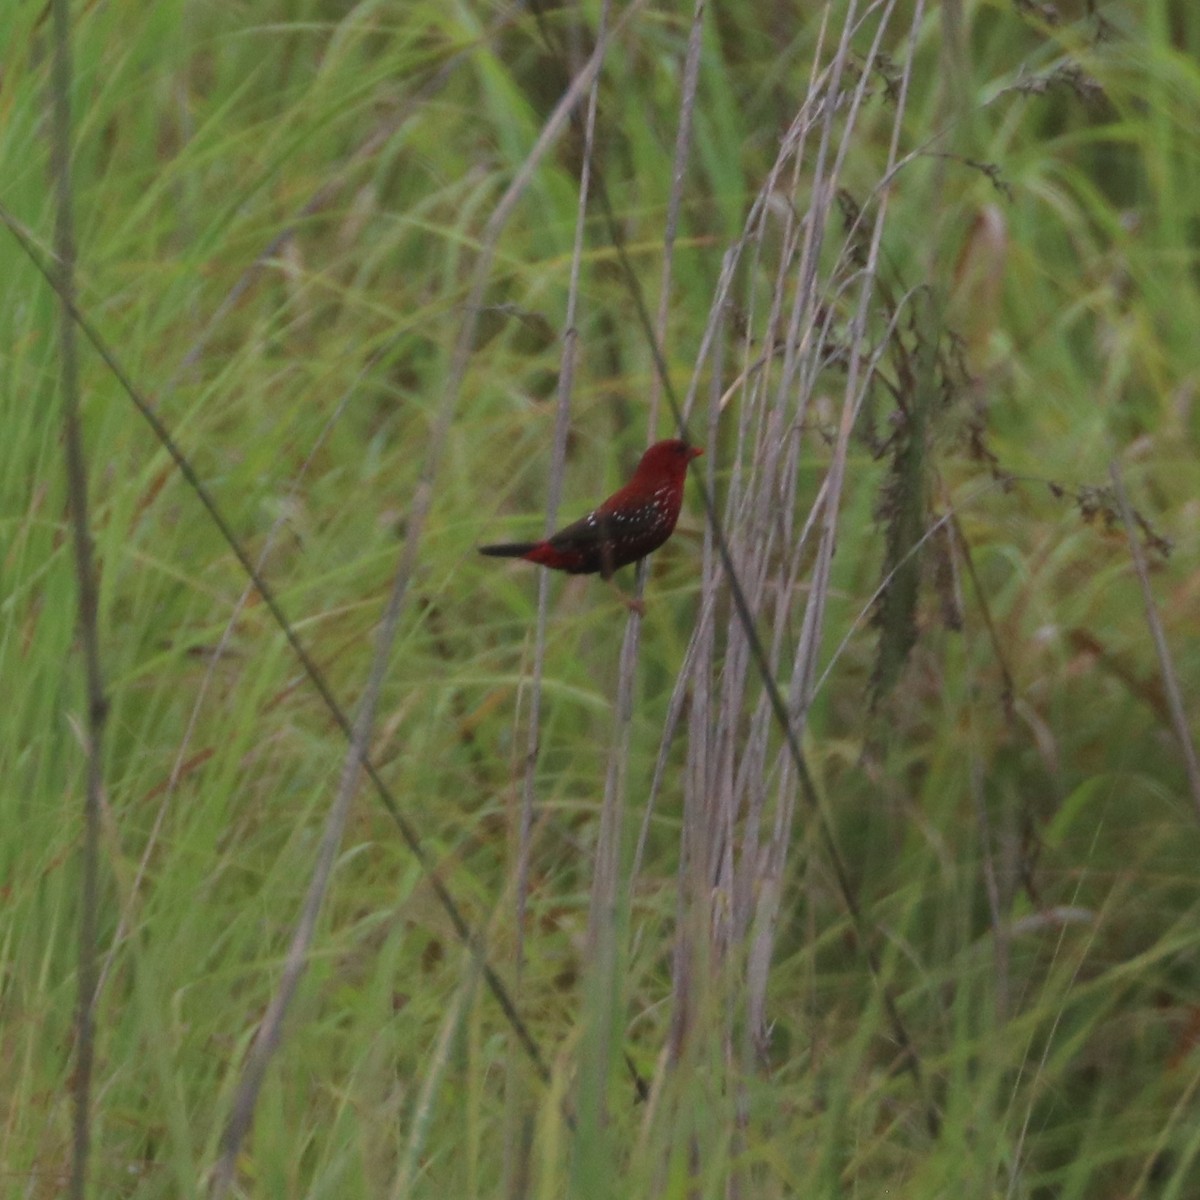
[
  {"x": 606, "y": 572},
  {"x": 631, "y": 602}
]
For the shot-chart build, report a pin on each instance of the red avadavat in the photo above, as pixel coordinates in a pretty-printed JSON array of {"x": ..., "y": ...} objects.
[{"x": 625, "y": 528}]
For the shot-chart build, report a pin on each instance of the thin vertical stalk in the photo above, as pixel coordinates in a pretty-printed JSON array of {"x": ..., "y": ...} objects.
[
  {"x": 1179, "y": 720},
  {"x": 85, "y": 574},
  {"x": 604, "y": 917},
  {"x": 517, "y": 1148}
]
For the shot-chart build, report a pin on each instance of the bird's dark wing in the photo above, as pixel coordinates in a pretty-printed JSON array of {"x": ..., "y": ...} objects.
[
  {"x": 579, "y": 535},
  {"x": 610, "y": 538},
  {"x": 587, "y": 544}
]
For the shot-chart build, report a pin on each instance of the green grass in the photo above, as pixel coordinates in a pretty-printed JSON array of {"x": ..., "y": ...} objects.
[{"x": 1026, "y": 869}]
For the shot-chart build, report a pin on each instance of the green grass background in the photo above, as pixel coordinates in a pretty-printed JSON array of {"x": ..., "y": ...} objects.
[{"x": 201, "y": 131}]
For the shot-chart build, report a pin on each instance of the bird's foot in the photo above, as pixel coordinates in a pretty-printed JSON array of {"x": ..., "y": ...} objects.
[{"x": 630, "y": 602}]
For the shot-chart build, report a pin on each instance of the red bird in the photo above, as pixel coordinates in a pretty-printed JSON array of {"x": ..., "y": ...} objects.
[{"x": 625, "y": 528}]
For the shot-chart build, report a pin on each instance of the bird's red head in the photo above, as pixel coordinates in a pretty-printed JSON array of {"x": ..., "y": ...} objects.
[{"x": 667, "y": 460}]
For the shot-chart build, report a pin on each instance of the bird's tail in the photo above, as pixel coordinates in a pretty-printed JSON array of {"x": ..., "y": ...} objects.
[{"x": 508, "y": 549}]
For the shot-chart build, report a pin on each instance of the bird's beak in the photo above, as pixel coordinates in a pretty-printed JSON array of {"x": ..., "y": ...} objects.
[{"x": 694, "y": 452}]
